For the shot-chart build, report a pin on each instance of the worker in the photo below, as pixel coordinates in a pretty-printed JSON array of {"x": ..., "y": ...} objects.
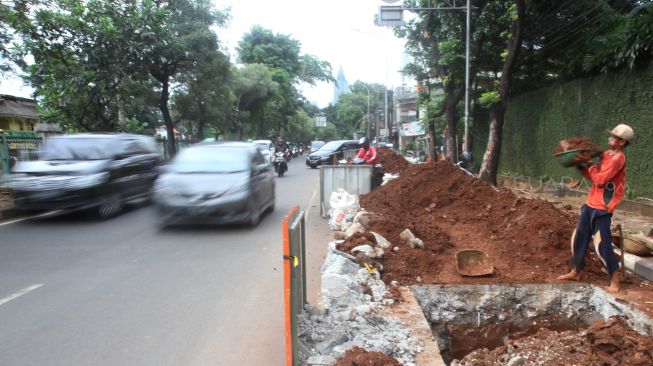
[
  {"x": 608, "y": 188},
  {"x": 366, "y": 152}
]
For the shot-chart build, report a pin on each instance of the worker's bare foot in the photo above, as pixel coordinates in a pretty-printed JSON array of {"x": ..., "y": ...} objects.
[
  {"x": 614, "y": 283},
  {"x": 573, "y": 275}
]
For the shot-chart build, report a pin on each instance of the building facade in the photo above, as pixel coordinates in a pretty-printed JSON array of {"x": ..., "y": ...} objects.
[
  {"x": 341, "y": 87},
  {"x": 17, "y": 114}
]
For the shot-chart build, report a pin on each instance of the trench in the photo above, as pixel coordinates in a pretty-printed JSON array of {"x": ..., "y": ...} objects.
[{"x": 464, "y": 318}]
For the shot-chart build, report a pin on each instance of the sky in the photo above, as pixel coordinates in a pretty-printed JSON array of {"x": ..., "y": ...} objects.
[{"x": 341, "y": 32}]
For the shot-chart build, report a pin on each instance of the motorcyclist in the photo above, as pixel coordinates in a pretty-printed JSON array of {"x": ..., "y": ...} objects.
[
  {"x": 283, "y": 147},
  {"x": 366, "y": 152}
]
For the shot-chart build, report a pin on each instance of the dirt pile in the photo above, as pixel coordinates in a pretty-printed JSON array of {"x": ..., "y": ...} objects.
[
  {"x": 576, "y": 143},
  {"x": 360, "y": 357},
  {"x": 603, "y": 343},
  {"x": 392, "y": 162},
  {"x": 526, "y": 240}
]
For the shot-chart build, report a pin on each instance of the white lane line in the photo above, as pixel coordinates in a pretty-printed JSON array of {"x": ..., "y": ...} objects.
[
  {"x": 19, "y": 293},
  {"x": 310, "y": 204},
  {"x": 30, "y": 217}
]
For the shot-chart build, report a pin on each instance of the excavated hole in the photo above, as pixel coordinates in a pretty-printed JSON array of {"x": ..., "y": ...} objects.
[{"x": 464, "y": 318}]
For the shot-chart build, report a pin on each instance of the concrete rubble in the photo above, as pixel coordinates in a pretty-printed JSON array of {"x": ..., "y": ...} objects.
[{"x": 352, "y": 300}]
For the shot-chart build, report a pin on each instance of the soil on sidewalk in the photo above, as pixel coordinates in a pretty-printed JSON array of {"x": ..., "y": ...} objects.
[{"x": 360, "y": 357}]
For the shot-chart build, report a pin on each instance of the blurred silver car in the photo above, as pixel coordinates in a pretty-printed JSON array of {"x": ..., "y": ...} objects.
[
  {"x": 229, "y": 182},
  {"x": 267, "y": 149}
]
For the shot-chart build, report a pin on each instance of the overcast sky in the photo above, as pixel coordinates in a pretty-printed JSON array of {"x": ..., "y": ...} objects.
[{"x": 339, "y": 31}]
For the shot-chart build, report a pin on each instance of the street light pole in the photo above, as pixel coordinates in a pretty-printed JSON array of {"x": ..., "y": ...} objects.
[
  {"x": 466, "y": 136},
  {"x": 367, "y": 116}
]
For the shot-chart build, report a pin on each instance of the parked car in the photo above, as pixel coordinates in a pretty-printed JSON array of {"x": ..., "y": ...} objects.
[
  {"x": 331, "y": 151},
  {"x": 316, "y": 145},
  {"x": 267, "y": 149},
  {"x": 87, "y": 171},
  {"x": 227, "y": 182}
]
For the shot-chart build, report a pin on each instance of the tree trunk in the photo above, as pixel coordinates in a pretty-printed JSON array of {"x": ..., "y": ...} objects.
[
  {"x": 492, "y": 154},
  {"x": 432, "y": 137},
  {"x": 490, "y": 163},
  {"x": 170, "y": 127},
  {"x": 452, "y": 130}
]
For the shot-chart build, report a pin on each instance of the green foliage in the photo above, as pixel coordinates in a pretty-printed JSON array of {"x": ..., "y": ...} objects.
[
  {"x": 328, "y": 133},
  {"x": 286, "y": 68},
  {"x": 94, "y": 59},
  {"x": 489, "y": 98},
  {"x": 133, "y": 125},
  {"x": 82, "y": 51}
]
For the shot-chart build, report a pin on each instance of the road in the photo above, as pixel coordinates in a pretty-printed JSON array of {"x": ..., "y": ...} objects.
[{"x": 77, "y": 291}]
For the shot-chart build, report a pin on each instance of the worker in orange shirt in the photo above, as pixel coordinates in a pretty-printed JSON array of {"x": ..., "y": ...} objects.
[
  {"x": 608, "y": 188},
  {"x": 366, "y": 152}
]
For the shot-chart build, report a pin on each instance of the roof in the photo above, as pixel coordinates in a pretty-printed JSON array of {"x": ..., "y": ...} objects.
[{"x": 11, "y": 106}]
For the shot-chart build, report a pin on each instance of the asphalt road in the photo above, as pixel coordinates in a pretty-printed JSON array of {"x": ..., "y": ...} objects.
[{"x": 77, "y": 291}]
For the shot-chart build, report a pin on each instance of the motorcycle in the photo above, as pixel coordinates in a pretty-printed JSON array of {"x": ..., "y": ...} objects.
[
  {"x": 280, "y": 164},
  {"x": 287, "y": 154},
  {"x": 295, "y": 152}
]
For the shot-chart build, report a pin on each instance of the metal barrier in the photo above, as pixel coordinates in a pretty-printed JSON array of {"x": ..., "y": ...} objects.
[
  {"x": 355, "y": 179},
  {"x": 22, "y": 145},
  {"x": 349, "y": 154},
  {"x": 294, "y": 274}
]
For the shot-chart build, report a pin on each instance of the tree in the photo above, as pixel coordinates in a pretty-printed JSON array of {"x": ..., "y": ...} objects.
[
  {"x": 6, "y": 14},
  {"x": 253, "y": 87},
  {"x": 498, "y": 99},
  {"x": 175, "y": 45},
  {"x": 287, "y": 68},
  {"x": 205, "y": 99},
  {"x": 434, "y": 42},
  {"x": 82, "y": 52}
]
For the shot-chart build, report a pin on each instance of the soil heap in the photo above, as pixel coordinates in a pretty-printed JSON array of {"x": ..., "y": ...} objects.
[
  {"x": 603, "y": 343},
  {"x": 526, "y": 240},
  {"x": 391, "y": 162},
  {"x": 360, "y": 357},
  {"x": 576, "y": 143}
]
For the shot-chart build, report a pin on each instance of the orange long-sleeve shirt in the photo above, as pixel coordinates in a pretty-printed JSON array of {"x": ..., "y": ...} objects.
[
  {"x": 611, "y": 169},
  {"x": 368, "y": 155}
]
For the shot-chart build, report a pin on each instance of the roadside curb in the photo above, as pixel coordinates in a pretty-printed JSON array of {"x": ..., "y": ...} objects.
[{"x": 641, "y": 266}]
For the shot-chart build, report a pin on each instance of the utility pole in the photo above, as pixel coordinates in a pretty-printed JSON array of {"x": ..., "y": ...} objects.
[{"x": 467, "y": 42}]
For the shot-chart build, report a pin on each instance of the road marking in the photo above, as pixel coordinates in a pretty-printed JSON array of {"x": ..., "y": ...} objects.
[
  {"x": 19, "y": 293},
  {"x": 30, "y": 217},
  {"x": 310, "y": 204}
]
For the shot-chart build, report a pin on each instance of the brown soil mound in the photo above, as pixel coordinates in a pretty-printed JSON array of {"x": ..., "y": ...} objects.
[
  {"x": 603, "y": 343},
  {"x": 526, "y": 240},
  {"x": 576, "y": 143},
  {"x": 360, "y": 357},
  {"x": 391, "y": 162}
]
